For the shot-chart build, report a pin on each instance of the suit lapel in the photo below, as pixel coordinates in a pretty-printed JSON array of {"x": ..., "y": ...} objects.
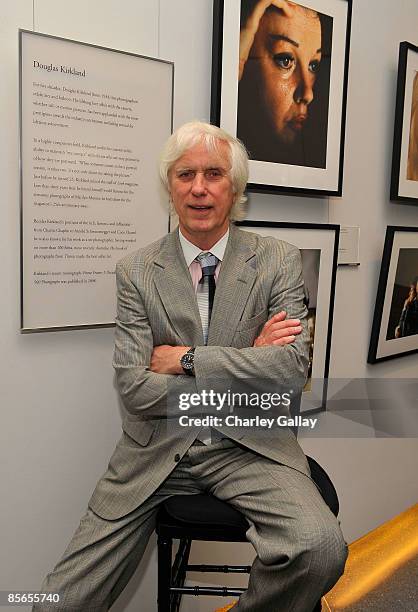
[
  {"x": 175, "y": 288},
  {"x": 234, "y": 285}
]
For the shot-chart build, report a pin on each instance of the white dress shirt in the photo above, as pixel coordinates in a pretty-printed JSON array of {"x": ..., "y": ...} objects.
[{"x": 190, "y": 252}]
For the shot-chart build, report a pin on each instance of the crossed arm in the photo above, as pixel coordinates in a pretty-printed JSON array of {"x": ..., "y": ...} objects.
[
  {"x": 278, "y": 331},
  {"x": 144, "y": 371}
]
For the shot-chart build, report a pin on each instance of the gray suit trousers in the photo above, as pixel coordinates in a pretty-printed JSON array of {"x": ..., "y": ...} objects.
[{"x": 300, "y": 549}]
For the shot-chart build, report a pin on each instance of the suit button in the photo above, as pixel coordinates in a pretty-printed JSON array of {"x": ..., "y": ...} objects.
[{"x": 176, "y": 457}]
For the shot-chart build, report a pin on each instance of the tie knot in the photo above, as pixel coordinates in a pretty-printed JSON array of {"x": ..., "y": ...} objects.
[{"x": 208, "y": 263}]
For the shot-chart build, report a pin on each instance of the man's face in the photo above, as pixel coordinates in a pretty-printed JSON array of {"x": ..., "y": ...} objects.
[
  {"x": 202, "y": 193},
  {"x": 288, "y": 53}
]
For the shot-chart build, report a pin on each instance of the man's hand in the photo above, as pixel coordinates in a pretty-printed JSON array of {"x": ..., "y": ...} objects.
[
  {"x": 249, "y": 31},
  {"x": 165, "y": 359},
  {"x": 278, "y": 331}
]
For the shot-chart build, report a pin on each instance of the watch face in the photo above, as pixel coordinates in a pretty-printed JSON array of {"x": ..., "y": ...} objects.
[{"x": 187, "y": 361}]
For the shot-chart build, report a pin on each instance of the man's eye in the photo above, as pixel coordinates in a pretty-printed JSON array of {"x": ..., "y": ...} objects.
[
  {"x": 314, "y": 66},
  {"x": 213, "y": 174},
  {"x": 284, "y": 60},
  {"x": 186, "y": 175}
]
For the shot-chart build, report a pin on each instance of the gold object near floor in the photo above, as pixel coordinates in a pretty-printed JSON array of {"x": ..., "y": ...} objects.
[
  {"x": 226, "y": 608},
  {"x": 381, "y": 573}
]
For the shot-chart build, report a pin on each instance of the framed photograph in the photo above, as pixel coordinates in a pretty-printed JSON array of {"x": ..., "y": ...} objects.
[
  {"x": 318, "y": 244},
  {"x": 279, "y": 83},
  {"x": 404, "y": 180},
  {"x": 92, "y": 123},
  {"x": 395, "y": 320}
]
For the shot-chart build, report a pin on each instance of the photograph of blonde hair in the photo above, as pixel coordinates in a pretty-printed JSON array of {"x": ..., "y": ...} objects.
[{"x": 412, "y": 166}]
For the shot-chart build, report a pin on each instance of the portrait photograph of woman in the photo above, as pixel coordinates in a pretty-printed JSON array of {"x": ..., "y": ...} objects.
[
  {"x": 284, "y": 78},
  {"x": 403, "y": 317},
  {"x": 404, "y": 178},
  {"x": 412, "y": 165},
  {"x": 279, "y": 83},
  {"x": 395, "y": 320},
  {"x": 310, "y": 270},
  {"x": 318, "y": 245}
]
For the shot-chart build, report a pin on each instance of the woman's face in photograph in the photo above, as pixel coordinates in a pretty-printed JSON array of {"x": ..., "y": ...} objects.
[{"x": 288, "y": 52}]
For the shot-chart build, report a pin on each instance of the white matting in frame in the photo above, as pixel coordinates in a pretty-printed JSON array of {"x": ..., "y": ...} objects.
[
  {"x": 93, "y": 121},
  {"x": 312, "y": 237},
  {"x": 270, "y": 176}
]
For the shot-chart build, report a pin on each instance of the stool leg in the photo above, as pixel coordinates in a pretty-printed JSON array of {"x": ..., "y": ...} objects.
[
  {"x": 165, "y": 546},
  {"x": 179, "y": 571}
]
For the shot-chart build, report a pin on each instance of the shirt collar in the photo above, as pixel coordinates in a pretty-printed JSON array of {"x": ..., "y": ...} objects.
[{"x": 191, "y": 251}]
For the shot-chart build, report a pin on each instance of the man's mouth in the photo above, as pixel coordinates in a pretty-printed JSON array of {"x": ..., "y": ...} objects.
[{"x": 199, "y": 207}]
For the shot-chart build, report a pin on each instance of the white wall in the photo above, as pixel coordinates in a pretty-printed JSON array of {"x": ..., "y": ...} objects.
[{"x": 60, "y": 416}]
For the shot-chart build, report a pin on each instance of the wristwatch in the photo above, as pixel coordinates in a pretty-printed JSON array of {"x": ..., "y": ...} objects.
[{"x": 187, "y": 361}]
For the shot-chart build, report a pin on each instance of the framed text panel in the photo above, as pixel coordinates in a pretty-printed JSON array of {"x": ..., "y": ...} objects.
[{"x": 93, "y": 121}]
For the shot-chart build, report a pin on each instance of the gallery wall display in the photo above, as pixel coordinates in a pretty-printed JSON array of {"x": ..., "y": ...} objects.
[
  {"x": 92, "y": 123},
  {"x": 404, "y": 180},
  {"x": 395, "y": 320},
  {"x": 318, "y": 244},
  {"x": 279, "y": 83}
]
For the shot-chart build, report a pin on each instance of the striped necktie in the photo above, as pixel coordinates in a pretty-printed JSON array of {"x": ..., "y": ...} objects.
[{"x": 206, "y": 294}]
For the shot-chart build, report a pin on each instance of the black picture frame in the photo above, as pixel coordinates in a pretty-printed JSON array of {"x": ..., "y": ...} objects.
[
  {"x": 325, "y": 239},
  {"x": 404, "y": 176},
  {"x": 398, "y": 271},
  {"x": 321, "y": 172}
]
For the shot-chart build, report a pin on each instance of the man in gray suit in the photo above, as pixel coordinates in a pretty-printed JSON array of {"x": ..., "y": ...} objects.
[{"x": 173, "y": 327}]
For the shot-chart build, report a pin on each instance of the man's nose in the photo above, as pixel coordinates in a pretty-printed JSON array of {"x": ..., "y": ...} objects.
[
  {"x": 304, "y": 90},
  {"x": 199, "y": 184}
]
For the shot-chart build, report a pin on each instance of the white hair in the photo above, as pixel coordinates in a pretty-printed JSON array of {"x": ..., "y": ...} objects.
[{"x": 196, "y": 132}]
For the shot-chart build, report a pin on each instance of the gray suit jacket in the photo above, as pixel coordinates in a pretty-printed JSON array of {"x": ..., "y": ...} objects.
[{"x": 259, "y": 277}]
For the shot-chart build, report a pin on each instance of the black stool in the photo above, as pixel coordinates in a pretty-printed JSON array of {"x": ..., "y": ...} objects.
[{"x": 204, "y": 517}]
